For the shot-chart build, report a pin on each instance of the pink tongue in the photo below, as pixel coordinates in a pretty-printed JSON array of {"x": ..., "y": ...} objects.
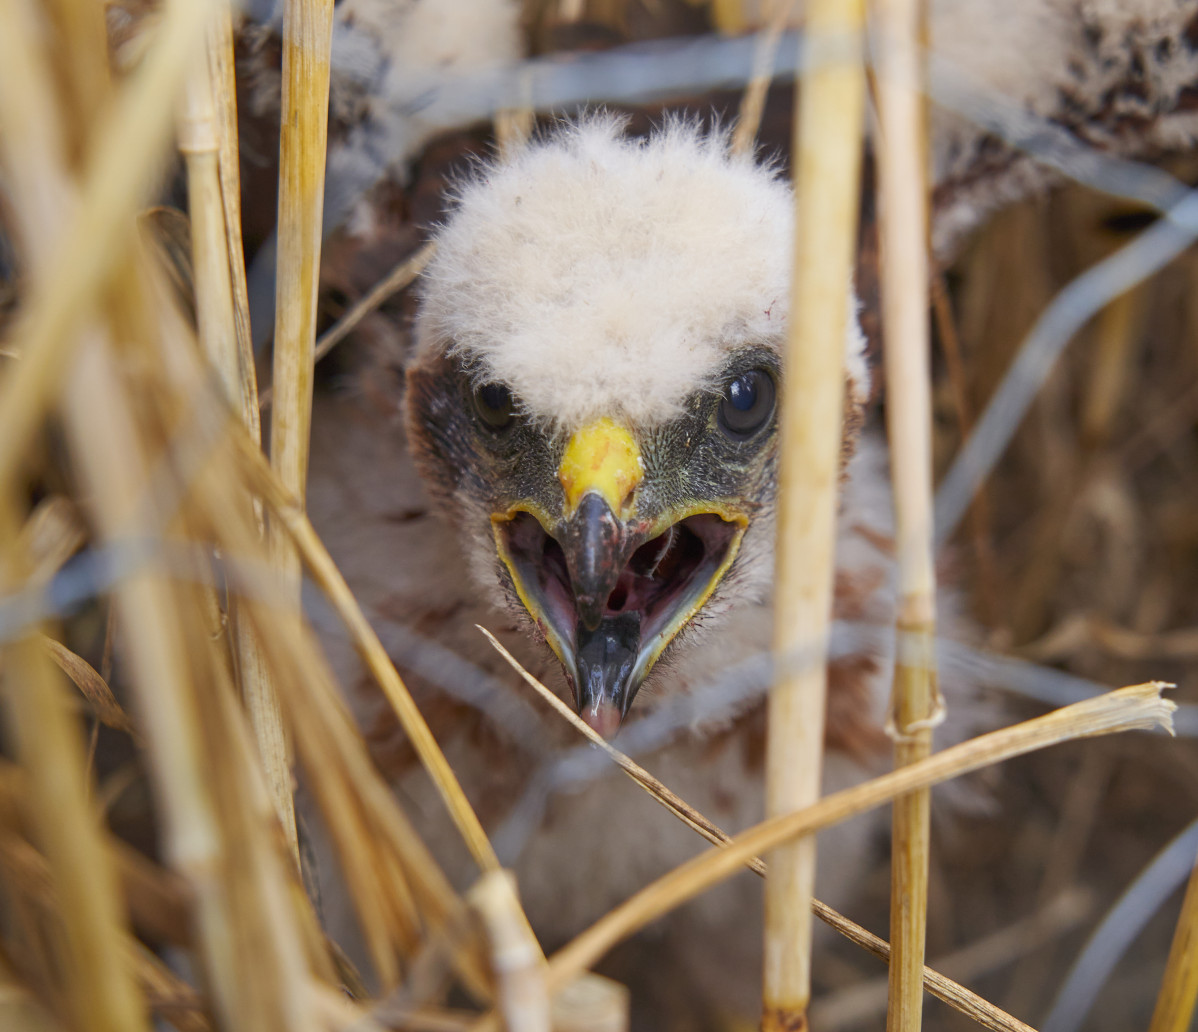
[{"x": 603, "y": 717}]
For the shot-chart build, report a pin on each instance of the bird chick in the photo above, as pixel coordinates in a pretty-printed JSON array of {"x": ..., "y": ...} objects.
[
  {"x": 594, "y": 391},
  {"x": 592, "y": 407}
]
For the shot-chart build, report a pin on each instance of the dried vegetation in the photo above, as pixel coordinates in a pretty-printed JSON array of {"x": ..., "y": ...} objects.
[{"x": 150, "y": 868}]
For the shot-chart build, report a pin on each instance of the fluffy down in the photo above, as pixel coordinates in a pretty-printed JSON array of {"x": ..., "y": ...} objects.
[{"x": 600, "y": 275}]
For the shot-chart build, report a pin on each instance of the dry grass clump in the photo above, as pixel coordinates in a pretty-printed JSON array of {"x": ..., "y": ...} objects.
[{"x": 132, "y": 474}]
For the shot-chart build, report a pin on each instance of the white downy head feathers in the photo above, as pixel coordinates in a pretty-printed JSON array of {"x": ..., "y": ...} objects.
[{"x": 598, "y": 275}]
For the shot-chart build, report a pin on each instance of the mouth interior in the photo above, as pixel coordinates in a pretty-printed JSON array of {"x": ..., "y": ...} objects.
[{"x": 661, "y": 582}]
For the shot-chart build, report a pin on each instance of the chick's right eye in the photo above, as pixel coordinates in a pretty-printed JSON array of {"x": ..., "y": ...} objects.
[{"x": 747, "y": 404}]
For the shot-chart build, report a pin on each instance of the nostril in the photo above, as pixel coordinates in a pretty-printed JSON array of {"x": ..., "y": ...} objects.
[{"x": 618, "y": 599}]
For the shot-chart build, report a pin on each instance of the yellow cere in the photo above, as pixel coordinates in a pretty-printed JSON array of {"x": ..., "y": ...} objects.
[{"x": 601, "y": 457}]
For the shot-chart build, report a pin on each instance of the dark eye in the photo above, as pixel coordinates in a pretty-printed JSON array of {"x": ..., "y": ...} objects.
[
  {"x": 493, "y": 402},
  {"x": 747, "y": 404}
]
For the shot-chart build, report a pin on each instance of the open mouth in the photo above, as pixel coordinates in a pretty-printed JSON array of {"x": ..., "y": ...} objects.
[{"x": 665, "y": 576}]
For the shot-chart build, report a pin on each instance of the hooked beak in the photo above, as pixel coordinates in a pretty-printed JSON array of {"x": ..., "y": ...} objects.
[{"x": 609, "y": 589}]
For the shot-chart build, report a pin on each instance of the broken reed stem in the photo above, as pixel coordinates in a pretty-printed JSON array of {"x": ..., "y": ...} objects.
[
  {"x": 828, "y": 128},
  {"x": 118, "y": 175},
  {"x": 516, "y": 957},
  {"x": 307, "y": 39},
  {"x": 1179, "y": 989},
  {"x": 1137, "y": 707},
  {"x": 902, "y": 164},
  {"x": 291, "y": 517},
  {"x": 943, "y": 988},
  {"x": 200, "y": 141}
]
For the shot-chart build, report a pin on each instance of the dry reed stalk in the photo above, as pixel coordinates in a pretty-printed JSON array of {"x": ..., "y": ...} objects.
[
  {"x": 1179, "y": 989},
  {"x": 94, "y": 975},
  {"x": 361, "y": 812},
  {"x": 307, "y": 39},
  {"x": 513, "y": 128},
  {"x": 864, "y": 1001},
  {"x": 181, "y": 676},
  {"x": 256, "y": 687},
  {"x": 828, "y": 127},
  {"x": 943, "y": 988},
  {"x": 28, "y": 873},
  {"x": 303, "y": 134},
  {"x": 80, "y": 31},
  {"x": 1139, "y": 707},
  {"x": 729, "y": 17},
  {"x": 295, "y": 665},
  {"x": 752, "y": 101},
  {"x": 590, "y": 1003},
  {"x": 516, "y": 957},
  {"x": 324, "y": 571},
  {"x": 278, "y": 946},
  {"x": 108, "y": 445},
  {"x": 389, "y": 867},
  {"x": 200, "y": 145},
  {"x": 221, "y": 74},
  {"x": 200, "y": 135},
  {"x": 108, "y": 451},
  {"x": 87, "y": 234},
  {"x": 53, "y": 533},
  {"x": 90, "y": 684},
  {"x": 903, "y": 206}
]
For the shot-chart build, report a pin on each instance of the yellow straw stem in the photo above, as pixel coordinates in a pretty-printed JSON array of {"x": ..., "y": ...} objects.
[
  {"x": 303, "y": 135},
  {"x": 956, "y": 996},
  {"x": 200, "y": 133},
  {"x": 118, "y": 175},
  {"x": 96, "y": 975},
  {"x": 1179, "y": 990},
  {"x": 902, "y": 164},
  {"x": 220, "y": 61},
  {"x": 765, "y": 52},
  {"x": 516, "y": 956},
  {"x": 1136, "y": 708},
  {"x": 291, "y": 517},
  {"x": 829, "y": 117},
  {"x": 307, "y": 38}
]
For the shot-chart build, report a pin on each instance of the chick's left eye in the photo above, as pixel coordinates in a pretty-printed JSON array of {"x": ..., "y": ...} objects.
[
  {"x": 493, "y": 402},
  {"x": 747, "y": 404}
]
